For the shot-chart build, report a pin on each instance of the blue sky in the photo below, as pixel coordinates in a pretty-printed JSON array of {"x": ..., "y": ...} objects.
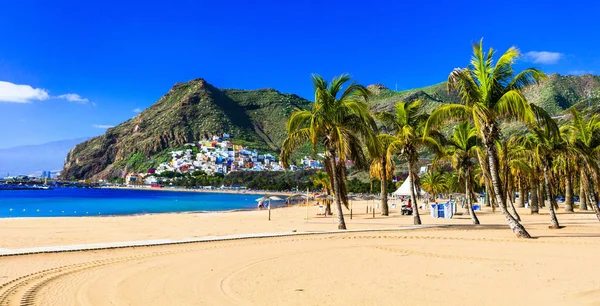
[{"x": 86, "y": 66}]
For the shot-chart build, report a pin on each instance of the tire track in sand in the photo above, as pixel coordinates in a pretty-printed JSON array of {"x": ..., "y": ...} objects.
[{"x": 23, "y": 290}]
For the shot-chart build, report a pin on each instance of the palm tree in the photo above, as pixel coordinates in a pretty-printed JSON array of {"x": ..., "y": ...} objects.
[
  {"x": 565, "y": 164},
  {"x": 321, "y": 179},
  {"x": 407, "y": 125},
  {"x": 462, "y": 151},
  {"x": 453, "y": 182},
  {"x": 491, "y": 92},
  {"x": 382, "y": 166},
  {"x": 340, "y": 121},
  {"x": 434, "y": 182}
]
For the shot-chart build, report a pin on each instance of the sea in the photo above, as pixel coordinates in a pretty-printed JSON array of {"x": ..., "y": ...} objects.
[{"x": 81, "y": 202}]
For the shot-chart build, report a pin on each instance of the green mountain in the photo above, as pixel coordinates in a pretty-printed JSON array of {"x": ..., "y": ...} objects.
[
  {"x": 195, "y": 110},
  {"x": 190, "y": 112},
  {"x": 554, "y": 94}
]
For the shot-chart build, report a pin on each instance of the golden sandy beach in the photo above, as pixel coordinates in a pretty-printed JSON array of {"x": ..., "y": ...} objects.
[{"x": 457, "y": 265}]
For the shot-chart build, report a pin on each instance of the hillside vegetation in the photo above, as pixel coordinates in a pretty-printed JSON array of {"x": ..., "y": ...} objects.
[
  {"x": 555, "y": 94},
  {"x": 195, "y": 110},
  {"x": 189, "y": 112}
]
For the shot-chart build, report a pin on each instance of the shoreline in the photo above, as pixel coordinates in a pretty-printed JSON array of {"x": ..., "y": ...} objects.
[
  {"x": 256, "y": 192},
  {"x": 275, "y": 205}
]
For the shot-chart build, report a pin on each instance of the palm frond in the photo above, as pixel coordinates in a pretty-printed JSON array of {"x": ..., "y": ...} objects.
[
  {"x": 513, "y": 104},
  {"x": 444, "y": 113}
]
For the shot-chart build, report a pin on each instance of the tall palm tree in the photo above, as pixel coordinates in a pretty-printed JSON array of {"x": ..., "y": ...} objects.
[
  {"x": 489, "y": 93},
  {"x": 407, "y": 125},
  {"x": 340, "y": 121},
  {"x": 382, "y": 166}
]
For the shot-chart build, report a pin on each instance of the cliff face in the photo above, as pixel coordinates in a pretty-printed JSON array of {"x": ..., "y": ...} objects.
[{"x": 189, "y": 112}]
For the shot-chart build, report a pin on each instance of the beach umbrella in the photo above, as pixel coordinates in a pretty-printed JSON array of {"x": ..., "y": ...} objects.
[
  {"x": 269, "y": 198},
  {"x": 371, "y": 197},
  {"x": 353, "y": 198},
  {"x": 325, "y": 197},
  {"x": 296, "y": 196}
]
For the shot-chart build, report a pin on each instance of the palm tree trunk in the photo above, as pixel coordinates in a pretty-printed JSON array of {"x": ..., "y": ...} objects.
[
  {"x": 384, "y": 197},
  {"x": 513, "y": 210},
  {"x": 582, "y": 195},
  {"x": 541, "y": 197},
  {"x": 487, "y": 199},
  {"x": 337, "y": 191},
  {"x": 514, "y": 225},
  {"x": 522, "y": 193},
  {"x": 486, "y": 178},
  {"x": 468, "y": 197},
  {"x": 413, "y": 196},
  {"x": 591, "y": 194},
  {"x": 569, "y": 192},
  {"x": 534, "y": 202},
  {"x": 553, "y": 220},
  {"x": 510, "y": 197},
  {"x": 593, "y": 199},
  {"x": 327, "y": 207}
]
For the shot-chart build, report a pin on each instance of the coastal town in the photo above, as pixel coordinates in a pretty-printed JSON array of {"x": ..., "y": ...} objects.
[{"x": 217, "y": 155}]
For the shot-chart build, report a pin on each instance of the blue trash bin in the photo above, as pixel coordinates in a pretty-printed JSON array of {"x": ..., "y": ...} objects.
[{"x": 440, "y": 211}]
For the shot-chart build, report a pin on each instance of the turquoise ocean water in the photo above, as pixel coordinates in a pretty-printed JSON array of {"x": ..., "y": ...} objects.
[{"x": 69, "y": 202}]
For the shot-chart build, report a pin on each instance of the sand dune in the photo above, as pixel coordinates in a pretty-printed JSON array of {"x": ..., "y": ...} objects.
[{"x": 459, "y": 265}]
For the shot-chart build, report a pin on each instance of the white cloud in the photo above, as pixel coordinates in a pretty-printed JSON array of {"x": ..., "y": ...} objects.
[
  {"x": 102, "y": 126},
  {"x": 10, "y": 92},
  {"x": 72, "y": 97},
  {"x": 543, "y": 57},
  {"x": 137, "y": 110},
  {"x": 580, "y": 72}
]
